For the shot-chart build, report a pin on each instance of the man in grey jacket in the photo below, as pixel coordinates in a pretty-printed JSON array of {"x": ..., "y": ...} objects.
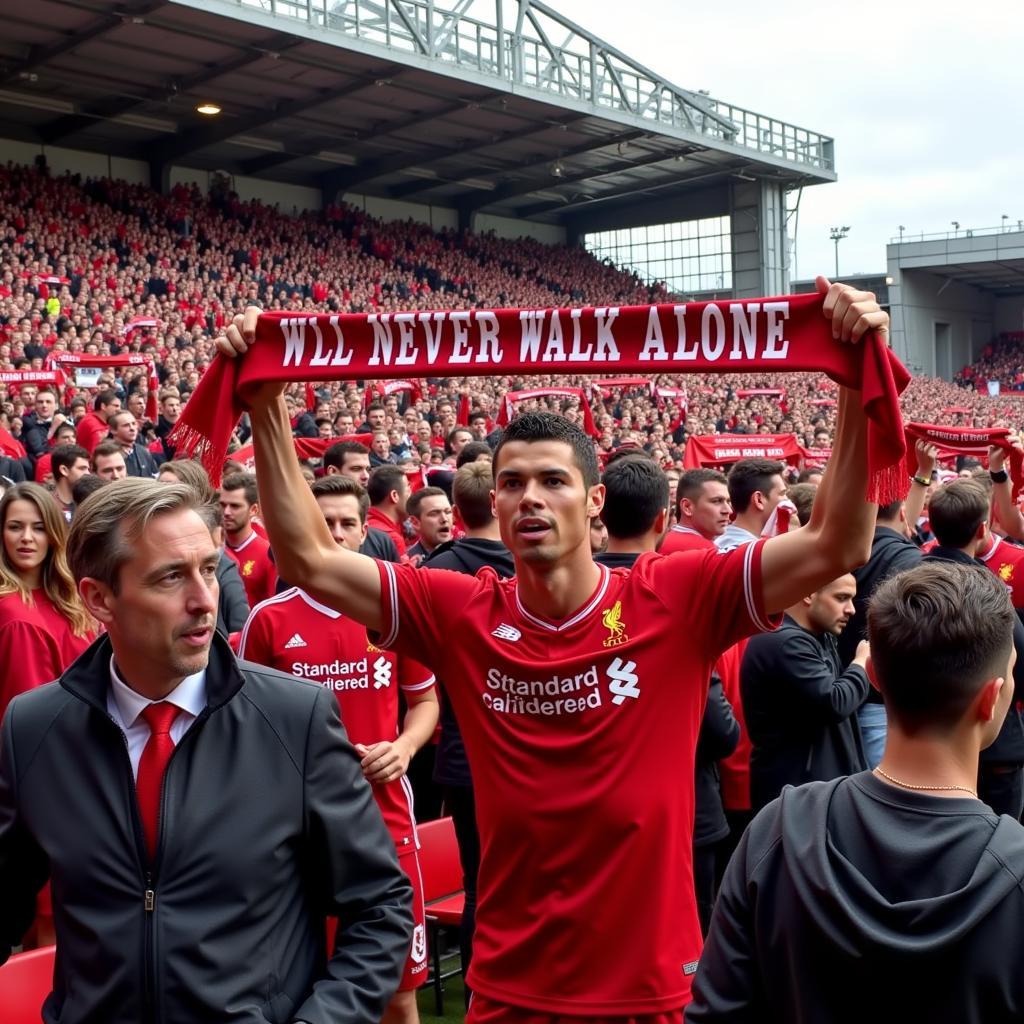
[{"x": 198, "y": 817}]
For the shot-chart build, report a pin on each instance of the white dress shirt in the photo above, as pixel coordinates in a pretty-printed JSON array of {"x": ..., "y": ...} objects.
[{"x": 125, "y": 707}]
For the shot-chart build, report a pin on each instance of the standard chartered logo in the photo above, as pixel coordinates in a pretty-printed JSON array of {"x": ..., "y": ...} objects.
[
  {"x": 381, "y": 672},
  {"x": 623, "y": 681}
]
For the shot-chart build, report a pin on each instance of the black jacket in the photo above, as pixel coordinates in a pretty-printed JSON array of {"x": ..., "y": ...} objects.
[
  {"x": 891, "y": 553},
  {"x": 719, "y": 734},
  {"x": 140, "y": 461},
  {"x": 799, "y": 707},
  {"x": 1008, "y": 747},
  {"x": 232, "y": 604},
  {"x": 379, "y": 545},
  {"x": 466, "y": 555},
  {"x": 266, "y": 826},
  {"x": 854, "y": 901}
]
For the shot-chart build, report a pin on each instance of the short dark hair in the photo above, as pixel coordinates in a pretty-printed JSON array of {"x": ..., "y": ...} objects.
[
  {"x": 891, "y": 512},
  {"x": 471, "y": 452},
  {"x": 956, "y": 510},
  {"x": 85, "y": 486},
  {"x": 477, "y": 414},
  {"x": 107, "y": 448},
  {"x": 802, "y": 495},
  {"x": 242, "y": 482},
  {"x": 747, "y": 477},
  {"x": 937, "y": 633},
  {"x": 471, "y": 494},
  {"x": 532, "y": 427},
  {"x": 383, "y": 480},
  {"x": 636, "y": 490},
  {"x": 112, "y": 421},
  {"x": 342, "y": 485},
  {"x": 105, "y": 398},
  {"x": 451, "y": 437},
  {"x": 375, "y": 407},
  {"x": 66, "y": 455},
  {"x": 336, "y": 454},
  {"x": 412, "y": 506},
  {"x": 692, "y": 482}
]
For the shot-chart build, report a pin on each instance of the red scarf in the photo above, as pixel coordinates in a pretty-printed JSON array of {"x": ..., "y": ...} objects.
[
  {"x": 723, "y": 449},
  {"x": 305, "y": 447},
  {"x": 382, "y": 389},
  {"x": 974, "y": 441},
  {"x": 131, "y": 359},
  {"x": 512, "y": 398},
  {"x": 54, "y": 377},
  {"x": 787, "y": 334}
]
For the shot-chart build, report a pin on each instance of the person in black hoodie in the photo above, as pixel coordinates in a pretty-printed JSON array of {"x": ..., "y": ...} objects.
[
  {"x": 892, "y": 895},
  {"x": 892, "y": 551},
  {"x": 799, "y": 704},
  {"x": 959, "y": 513},
  {"x": 480, "y": 547}
]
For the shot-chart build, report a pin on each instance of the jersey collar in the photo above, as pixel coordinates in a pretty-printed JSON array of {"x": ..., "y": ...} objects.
[{"x": 587, "y": 609}]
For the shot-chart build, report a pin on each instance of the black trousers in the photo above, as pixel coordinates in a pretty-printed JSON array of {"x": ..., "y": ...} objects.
[
  {"x": 458, "y": 802},
  {"x": 705, "y": 882},
  {"x": 1001, "y": 786}
]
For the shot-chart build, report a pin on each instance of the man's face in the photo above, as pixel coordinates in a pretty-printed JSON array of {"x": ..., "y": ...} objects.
[
  {"x": 75, "y": 471},
  {"x": 237, "y": 511},
  {"x": 45, "y": 405},
  {"x": 598, "y": 535},
  {"x": 478, "y": 427},
  {"x": 111, "y": 467},
  {"x": 126, "y": 429},
  {"x": 356, "y": 467},
  {"x": 161, "y": 621},
  {"x": 831, "y": 607},
  {"x": 434, "y": 523},
  {"x": 343, "y": 424},
  {"x": 28, "y": 394},
  {"x": 540, "y": 501},
  {"x": 108, "y": 410},
  {"x": 381, "y": 446},
  {"x": 402, "y": 490},
  {"x": 775, "y": 493},
  {"x": 710, "y": 510},
  {"x": 324, "y": 429},
  {"x": 423, "y": 431},
  {"x": 460, "y": 440},
  {"x": 375, "y": 417},
  {"x": 137, "y": 406},
  {"x": 341, "y": 512},
  {"x": 171, "y": 409}
]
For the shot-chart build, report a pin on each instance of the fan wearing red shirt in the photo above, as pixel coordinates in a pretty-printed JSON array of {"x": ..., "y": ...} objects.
[
  {"x": 296, "y": 634},
  {"x": 1007, "y": 562},
  {"x": 580, "y": 692},
  {"x": 703, "y": 511},
  {"x": 239, "y": 501},
  {"x": 92, "y": 427}
]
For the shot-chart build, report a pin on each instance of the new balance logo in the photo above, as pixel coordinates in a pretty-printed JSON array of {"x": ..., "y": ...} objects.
[
  {"x": 296, "y": 641},
  {"x": 506, "y": 632},
  {"x": 623, "y": 681}
]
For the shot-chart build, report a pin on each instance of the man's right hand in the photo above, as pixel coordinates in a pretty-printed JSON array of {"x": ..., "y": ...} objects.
[
  {"x": 235, "y": 341},
  {"x": 862, "y": 654},
  {"x": 927, "y": 456}
]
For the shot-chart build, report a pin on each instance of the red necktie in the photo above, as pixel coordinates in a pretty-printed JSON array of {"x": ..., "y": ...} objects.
[{"x": 155, "y": 756}]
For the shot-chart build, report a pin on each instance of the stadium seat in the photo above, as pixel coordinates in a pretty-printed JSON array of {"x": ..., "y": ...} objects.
[
  {"x": 442, "y": 893},
  {"x": 25, "y": 982}
]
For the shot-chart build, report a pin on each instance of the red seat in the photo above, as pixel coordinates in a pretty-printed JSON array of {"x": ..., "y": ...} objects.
[
  {"x": 442, "y": 892},
  {"x": 25, "y": 982}
]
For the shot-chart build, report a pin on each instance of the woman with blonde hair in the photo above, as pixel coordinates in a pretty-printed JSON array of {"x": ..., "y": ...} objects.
[{"x": 43, "y": 624}]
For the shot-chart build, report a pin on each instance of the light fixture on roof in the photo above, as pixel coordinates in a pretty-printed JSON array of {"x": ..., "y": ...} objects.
[
  {"x": 208, "y": 109},
  {"x": 557, "y": 169}
]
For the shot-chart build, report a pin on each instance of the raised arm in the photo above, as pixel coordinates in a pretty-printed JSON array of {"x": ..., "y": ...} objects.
[
  {"x": 838, "y": 537},
  {"x": 927, "y": 456},
  {"x": 303, "y": 547},
  {"x": 1002, "y": 495}
]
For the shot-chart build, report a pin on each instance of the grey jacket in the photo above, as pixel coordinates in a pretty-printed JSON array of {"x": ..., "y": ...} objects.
[{"x": 266, "y": 826}]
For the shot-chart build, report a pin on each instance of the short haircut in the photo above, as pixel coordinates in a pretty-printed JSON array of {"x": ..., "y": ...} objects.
[
  {"x": 375, "y": 407},
  {"x": 106, "y": 525},
  {"x": 105, "y": 398},
  {"x": 802, "y": 495},
  {"x": 342, "y": 485},
  {"x": 956, "y": 510},
  {"x": 66, "y": 455},
  {"x": 890, "y": 513},
  {"x": 112, "y": 421},
  {"x": 383, "y": 480},
  {"x": 107, "y": 448},
  {"x": 471, "y": 494},
  {"x": 193, "y": 475},
  {"x": 532, "y": 427},
  {"x": 636, "y": 490},
  {"x": 471, "y": 452},
  {"x": 412, "y": 506},
  {"x": 47, "y": 390},
  {"x": 477, "y": 414},
  {"x": 82, "y": 488},
  {"x": 336, "y": 454},
  {"x": 449, "y": 440},
  {"x": 242, "y": 482},
  {"x": 692, "y": 482},
  {"x": 808, "y": 471},
  {"x": 749, "y": 476},
  {"x": 937, "y": 633}
]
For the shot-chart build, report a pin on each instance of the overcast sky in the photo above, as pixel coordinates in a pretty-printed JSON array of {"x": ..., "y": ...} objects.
[{"x": 925, "y": 101}]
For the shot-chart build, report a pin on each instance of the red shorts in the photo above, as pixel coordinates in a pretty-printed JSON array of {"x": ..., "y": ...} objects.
[
  {"x": 415, "y": 972},
  {"x": 485, "y": 1011}
]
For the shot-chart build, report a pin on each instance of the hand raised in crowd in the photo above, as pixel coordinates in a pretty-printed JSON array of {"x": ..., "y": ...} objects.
[
  {"x": 853, "y": 313},
  {"x": 927, "y": 457}
]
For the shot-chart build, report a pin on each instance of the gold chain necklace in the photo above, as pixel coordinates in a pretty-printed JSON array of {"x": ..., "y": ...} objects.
[{"x": 907, "y": 785}]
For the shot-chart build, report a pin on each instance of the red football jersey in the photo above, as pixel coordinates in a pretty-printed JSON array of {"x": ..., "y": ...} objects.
[
  {"x": 255, "y": 567},
  {"x": 581, "y": 738},
  {"x": 1005, "y": 560},
  {"x": 684, "y": 538},
  {"x": 295, "y": 634}
]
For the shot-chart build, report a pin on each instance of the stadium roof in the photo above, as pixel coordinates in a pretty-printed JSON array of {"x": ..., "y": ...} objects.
[{"x": 496, "y": 105}]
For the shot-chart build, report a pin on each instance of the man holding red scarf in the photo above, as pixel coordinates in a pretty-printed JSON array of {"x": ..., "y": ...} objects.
[{"x": 580, "y": 709}]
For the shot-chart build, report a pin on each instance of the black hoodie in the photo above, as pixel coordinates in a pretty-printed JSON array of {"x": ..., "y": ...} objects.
[
  {"x": 855, "y": 901},
  {"x": 467, "y": 555}
]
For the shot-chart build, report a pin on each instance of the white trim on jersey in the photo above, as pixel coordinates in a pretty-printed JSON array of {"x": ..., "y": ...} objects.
[
  {"x": 687, "y": 529},
  {"x": 420, "y": 686},
  {"x": 245, "y": 543},
  {"x": 407, "y": 790},
  {"x": 331, "y": 613},
  {"x": 992, "y": 550},
  {"x": 282, "y": 598},
  {"x": 748, "y": 590},
  {"x": 579, "y": 616},
  {"x": 392, "y": 595}
]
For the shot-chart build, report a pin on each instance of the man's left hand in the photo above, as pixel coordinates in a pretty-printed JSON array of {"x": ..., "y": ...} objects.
[
  {"x": 385, "y": 761},
  {"x": 853, "y": 313}
]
